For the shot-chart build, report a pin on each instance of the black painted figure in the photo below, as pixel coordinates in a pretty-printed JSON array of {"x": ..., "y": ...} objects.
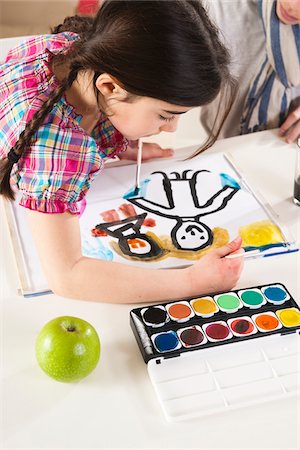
[
  {"x": 188, "y": 233},
  {"x": 130, "y": 239}
]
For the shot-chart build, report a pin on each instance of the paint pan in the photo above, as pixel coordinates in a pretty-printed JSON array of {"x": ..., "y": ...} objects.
[
  {"x": 217, "y": 331},
  {"x": 242, "y": 326},
  {"x": 180, "y": 311},
  {"x": 238, "y": 356},
  {"x": 252, "y": 298},
  {"x": 192, "y": 336},
  {"x": 289, "y": 317},
  {"x": 204, "y": 306},
  {"x": 228, "y": 302},
  {"x": 266, "y": 321},
  {"x": 222, "y": 318},
  {"x": 155, "y": 316},
  {"x": 275, "y": 294},
  {"x": 166, "y": 341}
]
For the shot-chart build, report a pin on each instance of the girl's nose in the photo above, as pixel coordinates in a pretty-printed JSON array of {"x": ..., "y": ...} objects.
[{"x": 171, "y": 126}]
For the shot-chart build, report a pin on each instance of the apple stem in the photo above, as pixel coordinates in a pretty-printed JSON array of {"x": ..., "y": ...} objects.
[{"x": 71, "y": 328}]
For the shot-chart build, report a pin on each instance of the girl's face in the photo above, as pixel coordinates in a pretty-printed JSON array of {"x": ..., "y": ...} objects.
[
  {"x": 144, "y": 116},
  {"x": 288, "y": 11}
]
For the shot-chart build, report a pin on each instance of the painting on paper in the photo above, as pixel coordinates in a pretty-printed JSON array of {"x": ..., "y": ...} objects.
[{"x": 178, "y": 215}]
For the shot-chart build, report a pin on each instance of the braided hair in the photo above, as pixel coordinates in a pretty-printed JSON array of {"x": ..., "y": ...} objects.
[
  {"x": 138, "y": 43},
  {"x": 80, "y": 25}
]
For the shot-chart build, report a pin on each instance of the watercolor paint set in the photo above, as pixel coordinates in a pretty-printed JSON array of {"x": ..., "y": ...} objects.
[{"x": 221, "y": 351}]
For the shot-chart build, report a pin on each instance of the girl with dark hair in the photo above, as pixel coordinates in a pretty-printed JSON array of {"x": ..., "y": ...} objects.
[{"x": 70, "y": 99}]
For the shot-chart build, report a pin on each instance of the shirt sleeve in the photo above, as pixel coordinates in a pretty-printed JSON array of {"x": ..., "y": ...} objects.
[{"x": 56, "y": 172}]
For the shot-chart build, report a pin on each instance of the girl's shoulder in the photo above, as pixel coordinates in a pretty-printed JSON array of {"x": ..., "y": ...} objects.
[
  {"x": 35, "y": 46},
  {"x": 26, "y": 80}
]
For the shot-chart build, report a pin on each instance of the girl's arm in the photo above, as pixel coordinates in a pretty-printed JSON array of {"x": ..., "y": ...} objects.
[{"x": 70, "y": 274}]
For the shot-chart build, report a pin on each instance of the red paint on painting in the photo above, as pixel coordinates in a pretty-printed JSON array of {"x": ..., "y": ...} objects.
[
  {"x": 148, "y": 222},
  {"x": 128, "y": 210},
  {"x": 98, "y": 233},
  {"x": 110, "y": 215},
  {"x": 136, "y": 243}
]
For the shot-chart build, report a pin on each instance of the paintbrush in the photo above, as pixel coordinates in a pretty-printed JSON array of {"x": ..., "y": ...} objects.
[
  {"x": 146, "y": 341},
  {"x": 138, "y": 167},
  {"x": 243, "y": 255}
]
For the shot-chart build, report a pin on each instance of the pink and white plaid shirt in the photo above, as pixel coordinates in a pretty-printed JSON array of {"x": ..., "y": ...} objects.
[{"x": 56, "y": 171}]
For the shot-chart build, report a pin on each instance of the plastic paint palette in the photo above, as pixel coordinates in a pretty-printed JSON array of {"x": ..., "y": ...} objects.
[{"x": 221, "y": 351}]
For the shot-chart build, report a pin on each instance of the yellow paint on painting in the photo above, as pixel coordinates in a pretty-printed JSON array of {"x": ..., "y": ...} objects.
[
  {"x": 260, "y": 233},
  {"x": 289, "y": 317},
  {"x": 220, "y": 238}
]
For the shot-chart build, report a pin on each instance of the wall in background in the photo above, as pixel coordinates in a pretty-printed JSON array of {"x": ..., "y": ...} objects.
[{"x": 27, "y": 17}]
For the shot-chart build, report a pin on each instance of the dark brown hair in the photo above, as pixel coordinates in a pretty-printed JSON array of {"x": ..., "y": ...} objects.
[{"x": 164, "y": 49}]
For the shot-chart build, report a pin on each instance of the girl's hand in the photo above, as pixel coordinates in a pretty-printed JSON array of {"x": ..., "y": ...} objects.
[
  {"x": 219, "y": 273},
  {"x": 290, "y": 128},
  {"x": 150, "y": 151}
]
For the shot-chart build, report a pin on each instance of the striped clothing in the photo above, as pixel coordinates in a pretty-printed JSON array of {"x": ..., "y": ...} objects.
[
  {"x": 262, "y": 50},
  {"x": 272, "y": 88},
  {"x": 56, "y": 170}
]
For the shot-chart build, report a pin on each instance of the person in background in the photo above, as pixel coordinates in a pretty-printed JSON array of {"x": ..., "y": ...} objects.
[
  {"x": 70, "y": 99},
  {"x": 264, "y": 41}
]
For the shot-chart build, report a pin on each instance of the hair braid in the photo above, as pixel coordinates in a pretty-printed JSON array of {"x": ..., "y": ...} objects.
[
  {"x": 137, "y": 43},
  {"x": 27, "y": 134},
  {"x": 81, "y": 25}
]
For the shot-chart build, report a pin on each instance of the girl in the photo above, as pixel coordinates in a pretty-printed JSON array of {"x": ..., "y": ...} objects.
[{"x": 70, "y": 99}]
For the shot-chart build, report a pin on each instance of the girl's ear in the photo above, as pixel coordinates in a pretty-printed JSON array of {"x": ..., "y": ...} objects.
[{"x": 109, "y": 86}]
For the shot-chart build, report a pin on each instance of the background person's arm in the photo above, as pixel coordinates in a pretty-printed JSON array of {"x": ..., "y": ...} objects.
[{"x": 290, "y": 128}]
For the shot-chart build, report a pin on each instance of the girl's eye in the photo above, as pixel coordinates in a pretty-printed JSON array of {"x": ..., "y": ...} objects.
[{"x": 166, "y": 119}]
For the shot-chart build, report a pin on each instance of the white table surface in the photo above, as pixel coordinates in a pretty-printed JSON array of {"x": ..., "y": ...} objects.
[{"x": 116, "y": 407}]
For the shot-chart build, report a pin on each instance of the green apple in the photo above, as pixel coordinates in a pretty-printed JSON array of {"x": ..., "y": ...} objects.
[{"x": 67, "y": 348}]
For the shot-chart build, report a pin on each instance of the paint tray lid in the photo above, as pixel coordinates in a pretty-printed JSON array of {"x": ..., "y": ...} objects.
[{"x": 218, "y": 379}]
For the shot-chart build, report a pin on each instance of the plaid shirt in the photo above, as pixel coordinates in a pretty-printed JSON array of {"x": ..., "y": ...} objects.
[{"x": 56, "y": 170}]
